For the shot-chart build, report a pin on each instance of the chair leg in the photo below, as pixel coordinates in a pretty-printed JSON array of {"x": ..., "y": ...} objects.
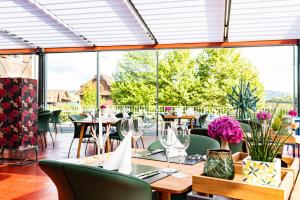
[
  {"x": 41, "y": 138},
  {"x": 143, "y": 142},
  {"x": 70, "y": 148},
  {"x": 51, "y": 138},
  {"x": 60, "y": 128},
  {"x": 86, "y": 146},
  {"x": 45, "y": 139},
  {"x": 55, "y": 128}
]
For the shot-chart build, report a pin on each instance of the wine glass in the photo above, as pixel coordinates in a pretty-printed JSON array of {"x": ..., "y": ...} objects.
[
  {"x": 167, "y": 137},
  {"x": 138, "y": 131},
  {"x": 183, "y": 141},
  {"x": 126, "y": 126}
]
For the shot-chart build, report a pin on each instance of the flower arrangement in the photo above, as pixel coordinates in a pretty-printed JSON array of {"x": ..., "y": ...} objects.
[
  {"x": 262, "y": 145},
  {"x": 263, "y": 115},
  {"x": 102, "y": 107},
  {"x": 168, "y": 108},
  {"x": 293, "y": 113},
  {"x": 226, "y": 128}
]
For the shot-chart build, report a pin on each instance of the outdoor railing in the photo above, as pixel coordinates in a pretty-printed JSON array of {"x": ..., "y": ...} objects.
[{"x": 68, "y": 109}]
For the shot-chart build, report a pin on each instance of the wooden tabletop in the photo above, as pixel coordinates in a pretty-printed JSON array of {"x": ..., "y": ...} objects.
[
  {"x": 94, "y": 122},
  {"x": 179, "y": 117},
  {"x": 169, "y": 185}
]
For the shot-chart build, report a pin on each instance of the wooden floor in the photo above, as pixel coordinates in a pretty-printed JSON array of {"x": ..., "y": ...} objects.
[{"x": 30, "y": 183}]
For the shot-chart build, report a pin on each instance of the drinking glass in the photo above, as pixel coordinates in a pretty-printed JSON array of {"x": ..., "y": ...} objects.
[
  {"x": 183, "y": 142},
  {"x": 138, "y": 131},
  {"x": 167, "y": 137}
]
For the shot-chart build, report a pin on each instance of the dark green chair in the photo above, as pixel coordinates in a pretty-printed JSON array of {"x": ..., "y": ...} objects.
[
  {"x": 116, "y": 135},
  {"x": 44, "y": 127},
  {"x": 201, "y": 120},
  {"x": 233, "y": 147},
  {"x": 43, "y": 111},
  {"x": 77, "y": 127},
  {"x": 198, "y": 145},
  {"x": 82, "y": 182},
  {"x": 55, "y": 119}
]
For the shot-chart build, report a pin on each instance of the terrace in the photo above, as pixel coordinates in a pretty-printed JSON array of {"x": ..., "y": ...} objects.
[{"x": 97, "y": 95}]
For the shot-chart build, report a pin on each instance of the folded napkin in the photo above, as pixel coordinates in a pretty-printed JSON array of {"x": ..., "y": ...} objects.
[
  {"x": 172, "y": 139},
  {"x": 121, "y": 158},
  {"x": 190, "y": 112},
  {"x": 179, "y": 112}
]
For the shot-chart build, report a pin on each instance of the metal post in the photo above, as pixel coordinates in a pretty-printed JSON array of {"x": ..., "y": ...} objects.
[
  {"x": 157, "y": 92},
  {"x": 41, "y": 79},
  {"x": 98, "y": 96},
  {"x": 296, "y": 77}
]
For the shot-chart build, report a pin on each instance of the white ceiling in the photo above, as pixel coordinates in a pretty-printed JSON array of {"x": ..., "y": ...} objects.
[{"x": 78, "y": 23}]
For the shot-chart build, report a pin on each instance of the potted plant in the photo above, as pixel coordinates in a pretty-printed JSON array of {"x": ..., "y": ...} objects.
[
  {"x": 262, "y": 167},
  {"x": 219, "y": 162},
  {"x": 168, "y": 110}
]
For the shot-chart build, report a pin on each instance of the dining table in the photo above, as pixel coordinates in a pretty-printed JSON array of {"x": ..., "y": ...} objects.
[
  {"x": 89, "y": 123},
  {"x": 165, "y": 186},
  {"x": 189, "y": 117}
]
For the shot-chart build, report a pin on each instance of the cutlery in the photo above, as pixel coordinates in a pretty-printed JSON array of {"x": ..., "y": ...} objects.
[
  {"x": 155, "y": 152},
  {"x": 145, "y": 173}
]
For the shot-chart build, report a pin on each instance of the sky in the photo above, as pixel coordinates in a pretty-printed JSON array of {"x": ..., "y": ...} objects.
[{"x": 71, "y": 70}]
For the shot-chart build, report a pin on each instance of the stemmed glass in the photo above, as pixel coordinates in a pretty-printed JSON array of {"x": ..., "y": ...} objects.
[
  {"x": 183, "y": 142},
  {"x": 138, "y": 131},
  {"x": 167, "y": 137}
]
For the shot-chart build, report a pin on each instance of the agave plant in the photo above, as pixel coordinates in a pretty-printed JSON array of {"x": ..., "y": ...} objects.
[
  {"x": 243, "y": 99},
  {"x": 264, "y": 146}
]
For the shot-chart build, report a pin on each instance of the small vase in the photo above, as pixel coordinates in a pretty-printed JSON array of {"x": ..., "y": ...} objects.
[{"x": 219, "y": 164}]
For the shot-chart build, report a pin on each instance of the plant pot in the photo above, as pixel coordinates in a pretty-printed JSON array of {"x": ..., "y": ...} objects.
[
  {"x": 262, "y": 173},
  {"x": 219, "y": 164}
]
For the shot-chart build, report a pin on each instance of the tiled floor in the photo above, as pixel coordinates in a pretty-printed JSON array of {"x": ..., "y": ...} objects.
[{"x": 29, "y": 182}]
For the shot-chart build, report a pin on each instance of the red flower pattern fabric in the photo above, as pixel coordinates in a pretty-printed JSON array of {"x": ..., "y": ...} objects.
[{"x": 18, "y": 112}]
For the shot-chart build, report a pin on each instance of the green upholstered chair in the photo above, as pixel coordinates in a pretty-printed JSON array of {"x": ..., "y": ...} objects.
[
  {"x": 91, "y": 183},
  {"x": 44, "y": 127},
  {"x": 55, "y": 170},
  {"x": 233, "y": 147},
  {"x": 55, "y": 119},
  {"x": 201, "y": 120},
  {"x": 77, "y": 127},
  {"x": 198, "y": 145}
]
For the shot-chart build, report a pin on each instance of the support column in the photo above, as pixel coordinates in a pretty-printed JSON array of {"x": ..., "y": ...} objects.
[
  {"x": 296, "y": 77},
  {"x": 98, "y": 96},
  {"x": 41, "y": 78},
  {"x": 157, "y": 114}
]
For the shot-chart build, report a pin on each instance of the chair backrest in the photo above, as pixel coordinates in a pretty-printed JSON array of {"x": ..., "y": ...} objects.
[
  {"x": 202, "y": 119},
  {"x": 77, "y": 126},
  {"x": 55, "y": 170},
  {"x": 55, "y": 116},
  {"x": 43, "y": 122},
  {"x": 119, "y": 115},
  {"x": 43, "y": 111},
  {"x": 198, "y": 145},
  {"x": 76, "y": 117},
  {"x": 200, "y": 131},
  {"x": 92, "y": 183}
]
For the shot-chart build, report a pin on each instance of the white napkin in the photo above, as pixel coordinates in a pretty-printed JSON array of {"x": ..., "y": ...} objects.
[
  {"x": 121, "y": 158},
  {"x": 190, "y": 112},
  {"x": 179, "y": 112},
  {"x": 173, "y": 151}
]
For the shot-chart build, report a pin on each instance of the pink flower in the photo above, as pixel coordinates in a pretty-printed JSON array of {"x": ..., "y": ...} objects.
[
  {"x": 168, "y": 108},
  {"x": 293, "y": 113},
  {"x": 102, "y": 106},
  {"x": 226, "y": 128},
  {"x": 263, "y": 115}
]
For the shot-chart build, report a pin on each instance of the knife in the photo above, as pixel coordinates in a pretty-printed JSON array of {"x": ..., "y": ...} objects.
[
  {"x": 153, "y": 173},
  {"x": 146, "y": 173},
  {"x": 155, "y": 152}
]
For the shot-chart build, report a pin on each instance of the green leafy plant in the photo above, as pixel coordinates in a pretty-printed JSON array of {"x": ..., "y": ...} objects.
[
  {"x": 278, "y": 121},
  {"x": 264, "y": 146},
  {"x": 243, "y": 100}
]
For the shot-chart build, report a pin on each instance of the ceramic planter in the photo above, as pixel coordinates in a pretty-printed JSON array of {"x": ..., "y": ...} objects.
[{"x": 262, "y": 173}]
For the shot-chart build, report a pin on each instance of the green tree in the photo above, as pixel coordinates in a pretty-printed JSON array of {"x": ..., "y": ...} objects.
[
  {"x": 135, "y": 82},
  {"x": 89, "y": 95},
  {"x": 204, "y": 80}
]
